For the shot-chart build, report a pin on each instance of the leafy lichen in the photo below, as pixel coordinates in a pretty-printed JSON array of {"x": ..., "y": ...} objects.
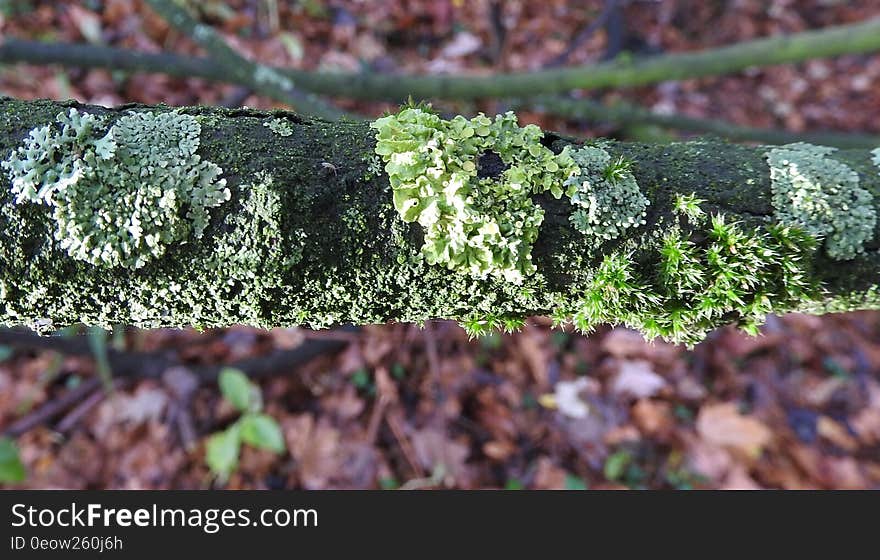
[
  {"x": 606, "y": 195},
  {"x": 118, "y": 199},
  {"x": 281, "y": 127},
  {"x": 469, "y": 183},
  {"x": 815, "y": 192},
  {"x": 875, "y": 153}
]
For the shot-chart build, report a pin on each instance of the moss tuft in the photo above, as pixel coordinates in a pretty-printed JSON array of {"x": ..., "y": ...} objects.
[
  {"x": 118, "y": 199},
  {"x": 736, "y": 274},
  {"x": 821, "y": 195}
]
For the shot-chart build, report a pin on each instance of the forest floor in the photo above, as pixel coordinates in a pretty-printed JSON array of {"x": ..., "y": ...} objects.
[{"x": 404, "y": 406}]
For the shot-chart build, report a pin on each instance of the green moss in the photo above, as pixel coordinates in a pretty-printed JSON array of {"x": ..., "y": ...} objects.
[
  {"x": 606, "y": 195},
  {"x": 469, "y": 183},
  {"x": 122, "y": 197},
  {"x": 281, "y": 127},
  {"x": 821, "y": 195},
  {"x": 736, "y": 274},
  {"x": 689, "y": 207}
]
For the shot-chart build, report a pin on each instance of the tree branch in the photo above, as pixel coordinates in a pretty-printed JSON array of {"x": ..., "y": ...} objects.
[
  {"x": 623, "y": 113},
  {"x": 853, "y": 38},
  {"x": 310, "y": 235}
]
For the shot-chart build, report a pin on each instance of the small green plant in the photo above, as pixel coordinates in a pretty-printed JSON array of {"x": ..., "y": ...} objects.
[
  {"x": 253, "y": 426},
  {"x": 688, "y": 205},
  {"x": 11, "y": 468},
  {"x": 477, "y": 326},
  {"x": 618, "y": 170},
  {"x": 734, "y": 273}
]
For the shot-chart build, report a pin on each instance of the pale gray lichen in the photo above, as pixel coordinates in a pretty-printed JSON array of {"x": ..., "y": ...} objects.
[
  {"x": 281, "y": 127},
  {"x": 876, "y": 156},
  {"x": 606, "y": 195},
  {"x": 118, "y": 199},
  {"x": 821, "y": 195}
]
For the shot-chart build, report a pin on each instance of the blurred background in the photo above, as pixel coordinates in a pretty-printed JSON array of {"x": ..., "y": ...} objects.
[{"x": 406, "y": 406}]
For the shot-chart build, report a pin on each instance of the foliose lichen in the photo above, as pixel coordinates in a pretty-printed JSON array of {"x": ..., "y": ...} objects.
[
  {"x": 468, "y": 182},
  {"x": 121, "y": 197},
  {"x": 606, "y": 195},
  {"x": 815, "y": 192},
  {"x": 875, "y": 153},
  {"x": 281, "y": 127}
]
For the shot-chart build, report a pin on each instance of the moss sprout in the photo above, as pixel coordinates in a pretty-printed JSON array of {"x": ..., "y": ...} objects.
[
  {"x": 689, "y": 207},
  {"x": 121, "y": 197},
  {"x": 815, "y": 192},
  {"x": 468, "y": 182},
  {"x": 736, "y": 274},
  {"x": 606, "y": 195}
]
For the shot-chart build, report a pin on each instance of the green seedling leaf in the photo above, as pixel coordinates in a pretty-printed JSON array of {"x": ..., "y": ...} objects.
[
  {"x": 238, "y": 390},
  {"x": 262, "y": 431},
  {"x": 11, "y": 468},
  {"x": 221, "y": 452}
]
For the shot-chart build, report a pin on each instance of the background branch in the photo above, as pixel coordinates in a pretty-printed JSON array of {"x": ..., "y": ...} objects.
[
  {"x": 623, "y": 113},
  {"x": 268, "y": 81},
  {"x": 853, "y": 38}
]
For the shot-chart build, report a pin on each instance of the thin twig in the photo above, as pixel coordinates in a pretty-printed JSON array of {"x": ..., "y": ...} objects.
[
  {"x": 264, "y": 79},
  {"x": 73, "y": 417},
  {"x": 582, "y": 36},
  {"x": 52, "y": 408}
]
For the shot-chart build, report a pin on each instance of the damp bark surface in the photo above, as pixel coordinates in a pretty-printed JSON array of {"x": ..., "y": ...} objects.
[{"x": 310, "y": 235}]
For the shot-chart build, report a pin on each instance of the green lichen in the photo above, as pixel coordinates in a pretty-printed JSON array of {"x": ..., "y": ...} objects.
[
  {"x": 821, "y": 195},
  {"x": 606, "y": 195},
  {"x": 469, "y": 183},
  {"x": 121, "y": 198},
  {"x": 731, "y": 274},
  {"x": 374, "y": 166},
  {"x": 281, "y": 127}
]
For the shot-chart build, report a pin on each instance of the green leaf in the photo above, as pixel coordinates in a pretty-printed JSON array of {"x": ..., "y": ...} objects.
[
  {"x": 615, "y": 464},
  {"x": 221, "y": 451},
  {"x": 513, "y": 484},
  {"x": 11, "y": 469},
  {"x": 573, "y": 482},
  {"x": 238, "y": 390},
  {"x": 261, "y": 430}
]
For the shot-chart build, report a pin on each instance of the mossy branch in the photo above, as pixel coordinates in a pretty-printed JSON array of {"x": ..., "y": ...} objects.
[
  {"x": 852, "y": 38},
  {"x": 311, "y": 234}
]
